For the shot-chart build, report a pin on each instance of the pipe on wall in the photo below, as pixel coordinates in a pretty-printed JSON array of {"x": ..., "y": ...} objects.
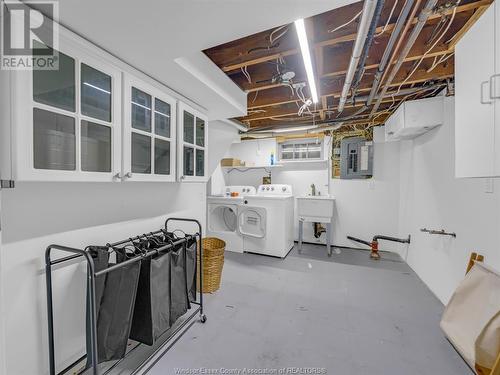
[{"x": 363, "y": 28}]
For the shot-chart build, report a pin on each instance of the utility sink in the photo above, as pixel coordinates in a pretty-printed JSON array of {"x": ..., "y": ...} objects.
[{"x": 316, "y": 208}]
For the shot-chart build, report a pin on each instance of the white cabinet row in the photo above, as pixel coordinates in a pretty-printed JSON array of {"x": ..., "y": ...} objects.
[
  {"x": 92, "y": 121},
  {"x": 477, "y": 98}
]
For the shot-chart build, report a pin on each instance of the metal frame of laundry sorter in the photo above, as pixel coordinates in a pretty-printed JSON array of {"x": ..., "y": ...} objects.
[{"x": 91, "y": 276}]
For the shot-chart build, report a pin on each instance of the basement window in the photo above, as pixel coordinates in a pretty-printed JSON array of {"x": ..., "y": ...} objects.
[{"x": 301, "y": 149}]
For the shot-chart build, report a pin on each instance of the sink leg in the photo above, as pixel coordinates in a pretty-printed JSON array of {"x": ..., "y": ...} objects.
[
  {"x": 328, "y": 239},
  {"x": 301, "y": 234}
]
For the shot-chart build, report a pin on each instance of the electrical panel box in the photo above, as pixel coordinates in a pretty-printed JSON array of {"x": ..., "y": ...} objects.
[{"x": 356, "y": 158}]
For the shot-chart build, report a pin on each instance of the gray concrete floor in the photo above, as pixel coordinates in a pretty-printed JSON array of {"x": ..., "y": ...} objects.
[{"x": 345, "y": 314}]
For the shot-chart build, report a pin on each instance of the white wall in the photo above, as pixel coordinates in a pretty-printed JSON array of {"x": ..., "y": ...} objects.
[
  {"x": 432, "y": 197},
  {"x": 363, "y": 207},
  {"x": 35, "y": 215},
  {"x": 223, "y": 135}
]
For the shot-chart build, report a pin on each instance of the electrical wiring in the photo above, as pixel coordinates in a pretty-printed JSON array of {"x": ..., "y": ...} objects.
[
  {"x": 347, "y": 23},
  {"x": 430, "y": 48},
  {"x": 440, "y": 61},
  {"x": 244, "y": 70},
  {"x": 273, "y": 39},
  {"x": 288, "y": 118},
  {"x": 255, "y": 97},
  {"x": 254, "y": 111},
  {"x": 437, "y": 29},
  {"x": 388, "y": 20},
  {"x": 306, "y": 103},
  {"x": 267, "y": 48}
]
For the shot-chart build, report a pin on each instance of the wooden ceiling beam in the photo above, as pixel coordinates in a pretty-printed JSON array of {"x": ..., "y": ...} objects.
[
  {"x": 338, "y": 73},
  {"x": 292, "y": 110},
  {"x": 280, "y": 95},
  {"x": 348, "y": 38},
  {"x": 380, "y": 119}
]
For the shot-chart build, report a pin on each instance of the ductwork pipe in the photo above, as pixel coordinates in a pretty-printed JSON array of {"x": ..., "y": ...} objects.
[
  {"x": 357, "y": 50},
  {"x": 388, "y": 50},
  {"x": 422, "y": 19},
  {"x": 366, "y": 49}
]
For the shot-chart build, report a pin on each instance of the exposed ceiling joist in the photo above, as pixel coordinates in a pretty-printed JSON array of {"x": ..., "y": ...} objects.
[
  {"x": 347, "y": 38},
  {"x": 261, "y": 64}
]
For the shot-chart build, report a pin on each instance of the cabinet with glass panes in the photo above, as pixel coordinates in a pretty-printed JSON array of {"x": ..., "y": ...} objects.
[
  {"x": 192, "y": 141},
  {"x": 93, "y": 118},
  {"x": 66, "y": 122},
  {"x": 149, "y": 132}
]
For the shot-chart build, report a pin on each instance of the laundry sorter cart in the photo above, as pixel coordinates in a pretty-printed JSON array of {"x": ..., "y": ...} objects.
[{"x": 92, "y": 274}]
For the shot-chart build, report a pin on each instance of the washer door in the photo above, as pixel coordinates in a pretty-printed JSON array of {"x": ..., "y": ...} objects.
[
  {"x": 223, "y": 218},
  {"x": 252, "y": 222}
]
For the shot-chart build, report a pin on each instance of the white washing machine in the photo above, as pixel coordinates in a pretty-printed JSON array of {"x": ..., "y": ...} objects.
[
  {"x": 222, "y": 216},
  {"x": 265, "y": 221}
]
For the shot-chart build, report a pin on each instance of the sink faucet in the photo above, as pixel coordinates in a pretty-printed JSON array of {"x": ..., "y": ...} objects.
[{"x": 313, "y": 189}]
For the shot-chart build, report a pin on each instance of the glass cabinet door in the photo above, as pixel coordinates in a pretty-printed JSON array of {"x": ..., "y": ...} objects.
[
  {"x": 149, "y": 151},
  {"x": 73, "y": 116},
  {"x": 192, "y": 125}
]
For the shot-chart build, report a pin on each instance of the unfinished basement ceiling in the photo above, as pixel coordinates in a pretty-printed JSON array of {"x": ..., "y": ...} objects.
[{"x": 256, "y": 63}]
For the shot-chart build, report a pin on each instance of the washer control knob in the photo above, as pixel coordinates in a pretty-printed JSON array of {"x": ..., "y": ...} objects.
[
  {"x": 283, "y": 188},
  {"x": 272, "y": 189}
]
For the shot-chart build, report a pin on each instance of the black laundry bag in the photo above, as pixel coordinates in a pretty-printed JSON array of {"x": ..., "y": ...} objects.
[
  {"x": 179, "y": 301},
  {"x": 116, "y": 309},
  {"x": 191, "y": 265},
  {"x": 100, "y": 257},
  {"x": 152, "y": 305}
]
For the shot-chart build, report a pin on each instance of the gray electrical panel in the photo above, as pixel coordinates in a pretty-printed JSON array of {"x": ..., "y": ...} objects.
[{"x": 356, "y": 158}]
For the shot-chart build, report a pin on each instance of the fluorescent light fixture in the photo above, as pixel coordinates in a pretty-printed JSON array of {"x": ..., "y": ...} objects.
[
  {"x": 294, "y": 129},
  {"x": 306, "y": 56}
]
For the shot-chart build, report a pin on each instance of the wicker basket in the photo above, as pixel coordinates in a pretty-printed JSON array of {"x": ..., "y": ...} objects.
[{"x": 213, "y": 261}]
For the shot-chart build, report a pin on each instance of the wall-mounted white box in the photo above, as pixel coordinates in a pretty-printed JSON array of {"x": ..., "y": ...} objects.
[{"x": 414, "y": 118}]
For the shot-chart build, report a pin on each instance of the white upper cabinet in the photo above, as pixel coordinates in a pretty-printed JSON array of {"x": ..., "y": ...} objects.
[
  {"x": 96, "y": 119},
  {"x": 149, "y": 133},
  {"x": 477, "y": 139},
  {"x": 66, "y": 123},
  {"x": 192, "y": 154}
]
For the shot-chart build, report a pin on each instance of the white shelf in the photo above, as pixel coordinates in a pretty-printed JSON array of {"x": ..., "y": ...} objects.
[
  {"x": 295, "y": 162},
  {"x": 255, "y": 166}
]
